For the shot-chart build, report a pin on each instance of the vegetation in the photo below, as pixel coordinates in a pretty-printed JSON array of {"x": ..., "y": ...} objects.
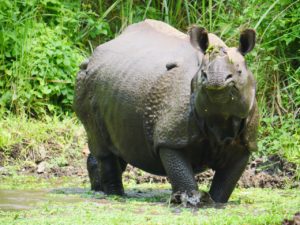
[
  {"x": 42, "y": 42},
  {"x": 24, "y": 143},
  {"x": 145, "y": 206}
]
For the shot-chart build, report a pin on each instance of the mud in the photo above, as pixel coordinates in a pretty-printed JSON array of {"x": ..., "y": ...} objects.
[
  {"x": 28, "y": 199},
  {"x": 294, "y": 221},
  {"x": 11, "y": 200},
  {"x": 271, "y": 172}
]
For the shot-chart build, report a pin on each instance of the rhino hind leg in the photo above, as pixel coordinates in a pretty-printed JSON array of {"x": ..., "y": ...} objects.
[
  {"x": 94, "y": 173},
  {"x": 105, "y": 174}
]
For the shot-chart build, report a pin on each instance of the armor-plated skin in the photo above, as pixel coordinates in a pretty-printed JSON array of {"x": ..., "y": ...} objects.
[{"x": 151, "y": 99}]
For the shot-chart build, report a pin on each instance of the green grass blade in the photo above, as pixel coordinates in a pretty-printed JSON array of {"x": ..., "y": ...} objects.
[{"x": 265, "y": 14}]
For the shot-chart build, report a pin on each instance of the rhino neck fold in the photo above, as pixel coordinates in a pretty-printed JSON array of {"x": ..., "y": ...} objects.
[{"x": 220, "y": 129}]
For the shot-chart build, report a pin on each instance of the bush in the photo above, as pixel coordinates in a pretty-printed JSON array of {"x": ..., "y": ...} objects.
[
  {"x": 42, "y": 44},
  {"x": 42, "y": 80}
]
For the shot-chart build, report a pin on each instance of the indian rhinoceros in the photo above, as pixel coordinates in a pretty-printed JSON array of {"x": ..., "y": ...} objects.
[{"x": 170, "y": 104}]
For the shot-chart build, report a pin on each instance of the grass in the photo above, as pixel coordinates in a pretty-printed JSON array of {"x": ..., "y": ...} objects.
[
  {"x": 147, "y": 204},
  {"x": 44, "y": 41},
  {"x": 29, "y": 182},
  {"x": 41, "y": 44},
  {"x": 25, "y": 142},
  {"x": 62, "y": 203}
]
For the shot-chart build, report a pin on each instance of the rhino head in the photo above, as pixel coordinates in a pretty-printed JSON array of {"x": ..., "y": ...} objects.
[{"x": 223, "y": 84}]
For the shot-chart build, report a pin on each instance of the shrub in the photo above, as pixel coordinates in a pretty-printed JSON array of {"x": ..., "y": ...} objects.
[{"x": 41, "y": 45}]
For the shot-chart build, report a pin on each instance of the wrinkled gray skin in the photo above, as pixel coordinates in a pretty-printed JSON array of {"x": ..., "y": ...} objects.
[{"x": 167, "y": 103}]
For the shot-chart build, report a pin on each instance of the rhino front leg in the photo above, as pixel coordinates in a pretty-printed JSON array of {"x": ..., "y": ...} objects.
[
  {"x": 225, "y": 179},
  {"x": 181, "y": 176}
]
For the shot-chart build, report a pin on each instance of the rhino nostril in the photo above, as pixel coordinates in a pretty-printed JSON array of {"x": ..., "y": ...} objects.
[{"x": 229, "y": 77}]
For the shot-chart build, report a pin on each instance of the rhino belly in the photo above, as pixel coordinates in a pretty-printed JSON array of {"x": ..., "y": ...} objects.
[
  {"x": 127, "y": 135},
  {"x": 119, "y": 98}
]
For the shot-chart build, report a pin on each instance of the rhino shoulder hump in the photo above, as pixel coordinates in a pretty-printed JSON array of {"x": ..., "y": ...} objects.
[{"x": 167, "y": 110}]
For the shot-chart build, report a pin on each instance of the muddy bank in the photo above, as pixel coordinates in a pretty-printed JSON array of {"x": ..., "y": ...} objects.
[
  {"x": 294, "y": 221},
  {"x": 277, "y": 174},
  {"x": 272, "y": 172}
]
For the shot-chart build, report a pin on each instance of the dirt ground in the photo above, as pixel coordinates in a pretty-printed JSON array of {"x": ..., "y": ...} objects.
[
  {"x": 272, "y": 172},
  {"x": 294, "y": 221},
  {"x": 278, "y": 174}
]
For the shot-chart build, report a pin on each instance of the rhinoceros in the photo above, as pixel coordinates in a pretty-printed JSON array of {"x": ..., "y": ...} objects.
[{"x": 171, "y": 104}]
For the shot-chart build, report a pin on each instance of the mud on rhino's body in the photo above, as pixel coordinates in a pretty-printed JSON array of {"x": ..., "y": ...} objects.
[{"x": 142, "y": 101}]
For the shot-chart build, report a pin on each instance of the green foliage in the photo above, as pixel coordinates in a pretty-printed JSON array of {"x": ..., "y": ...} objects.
[
  {"x": 45, "y": 75},
  {"x": 60, "y": 33},
  {"x": 281, "y": 138},
  {"x": 26, "y": 142},
  {"x": 41, "y": 45},
  {"x": 42, "y": 42},
  {"x": 275, "y": 60}
]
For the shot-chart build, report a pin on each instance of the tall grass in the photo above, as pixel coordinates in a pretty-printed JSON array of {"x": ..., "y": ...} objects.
[
  {"x": 41, "y": 45},
  {"x": 275, "y": 61}
]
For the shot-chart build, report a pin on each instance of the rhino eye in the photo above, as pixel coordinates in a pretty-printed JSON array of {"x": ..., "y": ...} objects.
[{"x": 239, "y": 72}]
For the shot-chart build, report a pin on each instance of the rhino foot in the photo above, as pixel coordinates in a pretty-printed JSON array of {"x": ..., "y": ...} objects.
[
  {"x": 191, "y": 199},
  {"x": 113, "y": 189}
]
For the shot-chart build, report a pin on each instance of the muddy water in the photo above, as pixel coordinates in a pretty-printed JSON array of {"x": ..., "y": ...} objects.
[{"x": 28, "y": 199}]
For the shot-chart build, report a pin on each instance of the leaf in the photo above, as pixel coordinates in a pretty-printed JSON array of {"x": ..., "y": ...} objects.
[
  {"x": 66, "y": 61},
  {"x": 8, "y": 72}
]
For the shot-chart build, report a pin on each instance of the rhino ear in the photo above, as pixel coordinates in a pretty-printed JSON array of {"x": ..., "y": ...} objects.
[
  {"x": 247, "y": 41},
  {"x": 199, "y": 38}
]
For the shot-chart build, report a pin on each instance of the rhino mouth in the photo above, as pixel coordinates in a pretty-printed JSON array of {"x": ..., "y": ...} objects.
[{"x": 219, "y": 96}]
